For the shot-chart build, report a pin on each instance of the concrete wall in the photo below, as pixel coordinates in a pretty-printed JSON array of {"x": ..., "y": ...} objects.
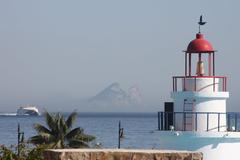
[{"x": 121, "y": 154}]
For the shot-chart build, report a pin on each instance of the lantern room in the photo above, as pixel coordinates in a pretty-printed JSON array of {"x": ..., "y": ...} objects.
[
  {"x": 200, "y": 68},
  {"x": 200, "y": 47}
]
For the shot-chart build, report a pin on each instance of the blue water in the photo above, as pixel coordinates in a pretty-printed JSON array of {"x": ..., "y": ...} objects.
[{"x": 139, "y": 128}]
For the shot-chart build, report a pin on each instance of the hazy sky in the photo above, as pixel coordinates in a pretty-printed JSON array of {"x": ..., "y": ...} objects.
[{"x": 54, "y": 52}]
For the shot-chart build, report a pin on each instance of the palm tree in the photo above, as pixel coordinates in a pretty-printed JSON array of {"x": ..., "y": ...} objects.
[{"x": 59, "y": 132}]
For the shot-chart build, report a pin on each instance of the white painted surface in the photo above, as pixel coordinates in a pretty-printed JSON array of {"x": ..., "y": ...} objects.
[
  {"x": 147, "y": 151},
  {"x": 202, "y": 102},
  {"x": 211, "y": 105},
  {"x": 213, "y": 145},
  {"x": 202, "y": 84},
  {"x": 205, "y": 99}
]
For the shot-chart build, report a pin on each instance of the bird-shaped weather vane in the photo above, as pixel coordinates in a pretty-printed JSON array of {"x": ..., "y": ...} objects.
[{"x": 201, "y": 23}]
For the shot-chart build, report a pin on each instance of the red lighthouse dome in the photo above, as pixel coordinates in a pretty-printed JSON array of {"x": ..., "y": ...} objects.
[{"x": 199, "y": 45}]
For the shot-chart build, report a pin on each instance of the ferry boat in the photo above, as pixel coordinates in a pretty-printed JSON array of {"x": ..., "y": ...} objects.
[
  {"x": 197, "y": 118},
  {"x": 28, "y": 110}
]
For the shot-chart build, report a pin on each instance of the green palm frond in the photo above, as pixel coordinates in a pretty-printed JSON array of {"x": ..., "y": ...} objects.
[
  {"x": 85, "y": 137},
  {"x": 58, "y": 145},
  {"x": 37, "y": 139},
  {"x": 73, "y": 133},
  {"x": 71, "y": 119},
  {"x": 57, "y": 122},
  {"x": 50, "y": 120},
  {"x": 58, "y": 134},
  {"x": 41, "y": 129},
  {"x": 75, "y": 143},
  {"x": 64, "y": 128},
  {"x": 40, "y": 139}
]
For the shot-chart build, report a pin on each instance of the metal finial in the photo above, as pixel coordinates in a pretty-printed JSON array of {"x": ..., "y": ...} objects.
[{"x": 201, "y": 23}]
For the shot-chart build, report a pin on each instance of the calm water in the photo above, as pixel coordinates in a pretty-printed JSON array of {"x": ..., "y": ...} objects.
[{"x": 139, "y": 129}]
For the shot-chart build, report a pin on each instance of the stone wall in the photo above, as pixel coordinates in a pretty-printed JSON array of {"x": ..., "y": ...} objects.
[{"x": 119, "y": 154}]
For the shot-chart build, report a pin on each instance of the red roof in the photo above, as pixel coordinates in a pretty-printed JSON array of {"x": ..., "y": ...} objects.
[{"x": 199, "y": 45}]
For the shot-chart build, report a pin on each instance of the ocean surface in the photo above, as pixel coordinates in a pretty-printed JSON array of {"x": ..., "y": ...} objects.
[{"x": 140, "y": 129}]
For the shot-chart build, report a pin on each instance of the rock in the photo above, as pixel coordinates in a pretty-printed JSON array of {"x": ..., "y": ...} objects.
[{"x": 119, "y": 154}]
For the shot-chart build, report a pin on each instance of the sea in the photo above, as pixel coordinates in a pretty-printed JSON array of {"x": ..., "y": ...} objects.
[{"x": 140, "y": 129}]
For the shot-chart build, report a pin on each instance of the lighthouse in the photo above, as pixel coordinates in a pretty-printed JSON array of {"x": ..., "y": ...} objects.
[
  {"x": 198, "y": 119},
  {"x": 199, "y": 93}
]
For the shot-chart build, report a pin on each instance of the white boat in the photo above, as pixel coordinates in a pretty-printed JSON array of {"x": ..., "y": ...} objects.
[{"x": 28, "y": 110}]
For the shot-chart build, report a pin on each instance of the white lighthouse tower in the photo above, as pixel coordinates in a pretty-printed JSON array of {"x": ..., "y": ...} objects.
[
  {"x": 200, "y": 92},
  {"x": 198, "y": 120}
]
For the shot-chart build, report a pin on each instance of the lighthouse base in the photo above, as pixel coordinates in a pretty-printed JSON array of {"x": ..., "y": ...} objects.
[
  {"x": 201, "y": 102},
  {"x": 213, "y": 145}
]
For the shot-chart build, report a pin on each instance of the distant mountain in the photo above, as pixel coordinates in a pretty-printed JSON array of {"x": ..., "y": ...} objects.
[
  {"x": 114, "y": 95},
  {"x": 135, "y": 95}
]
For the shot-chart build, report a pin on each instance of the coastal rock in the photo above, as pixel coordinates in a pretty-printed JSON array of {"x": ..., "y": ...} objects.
[{"x": 119, "y": 154}]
